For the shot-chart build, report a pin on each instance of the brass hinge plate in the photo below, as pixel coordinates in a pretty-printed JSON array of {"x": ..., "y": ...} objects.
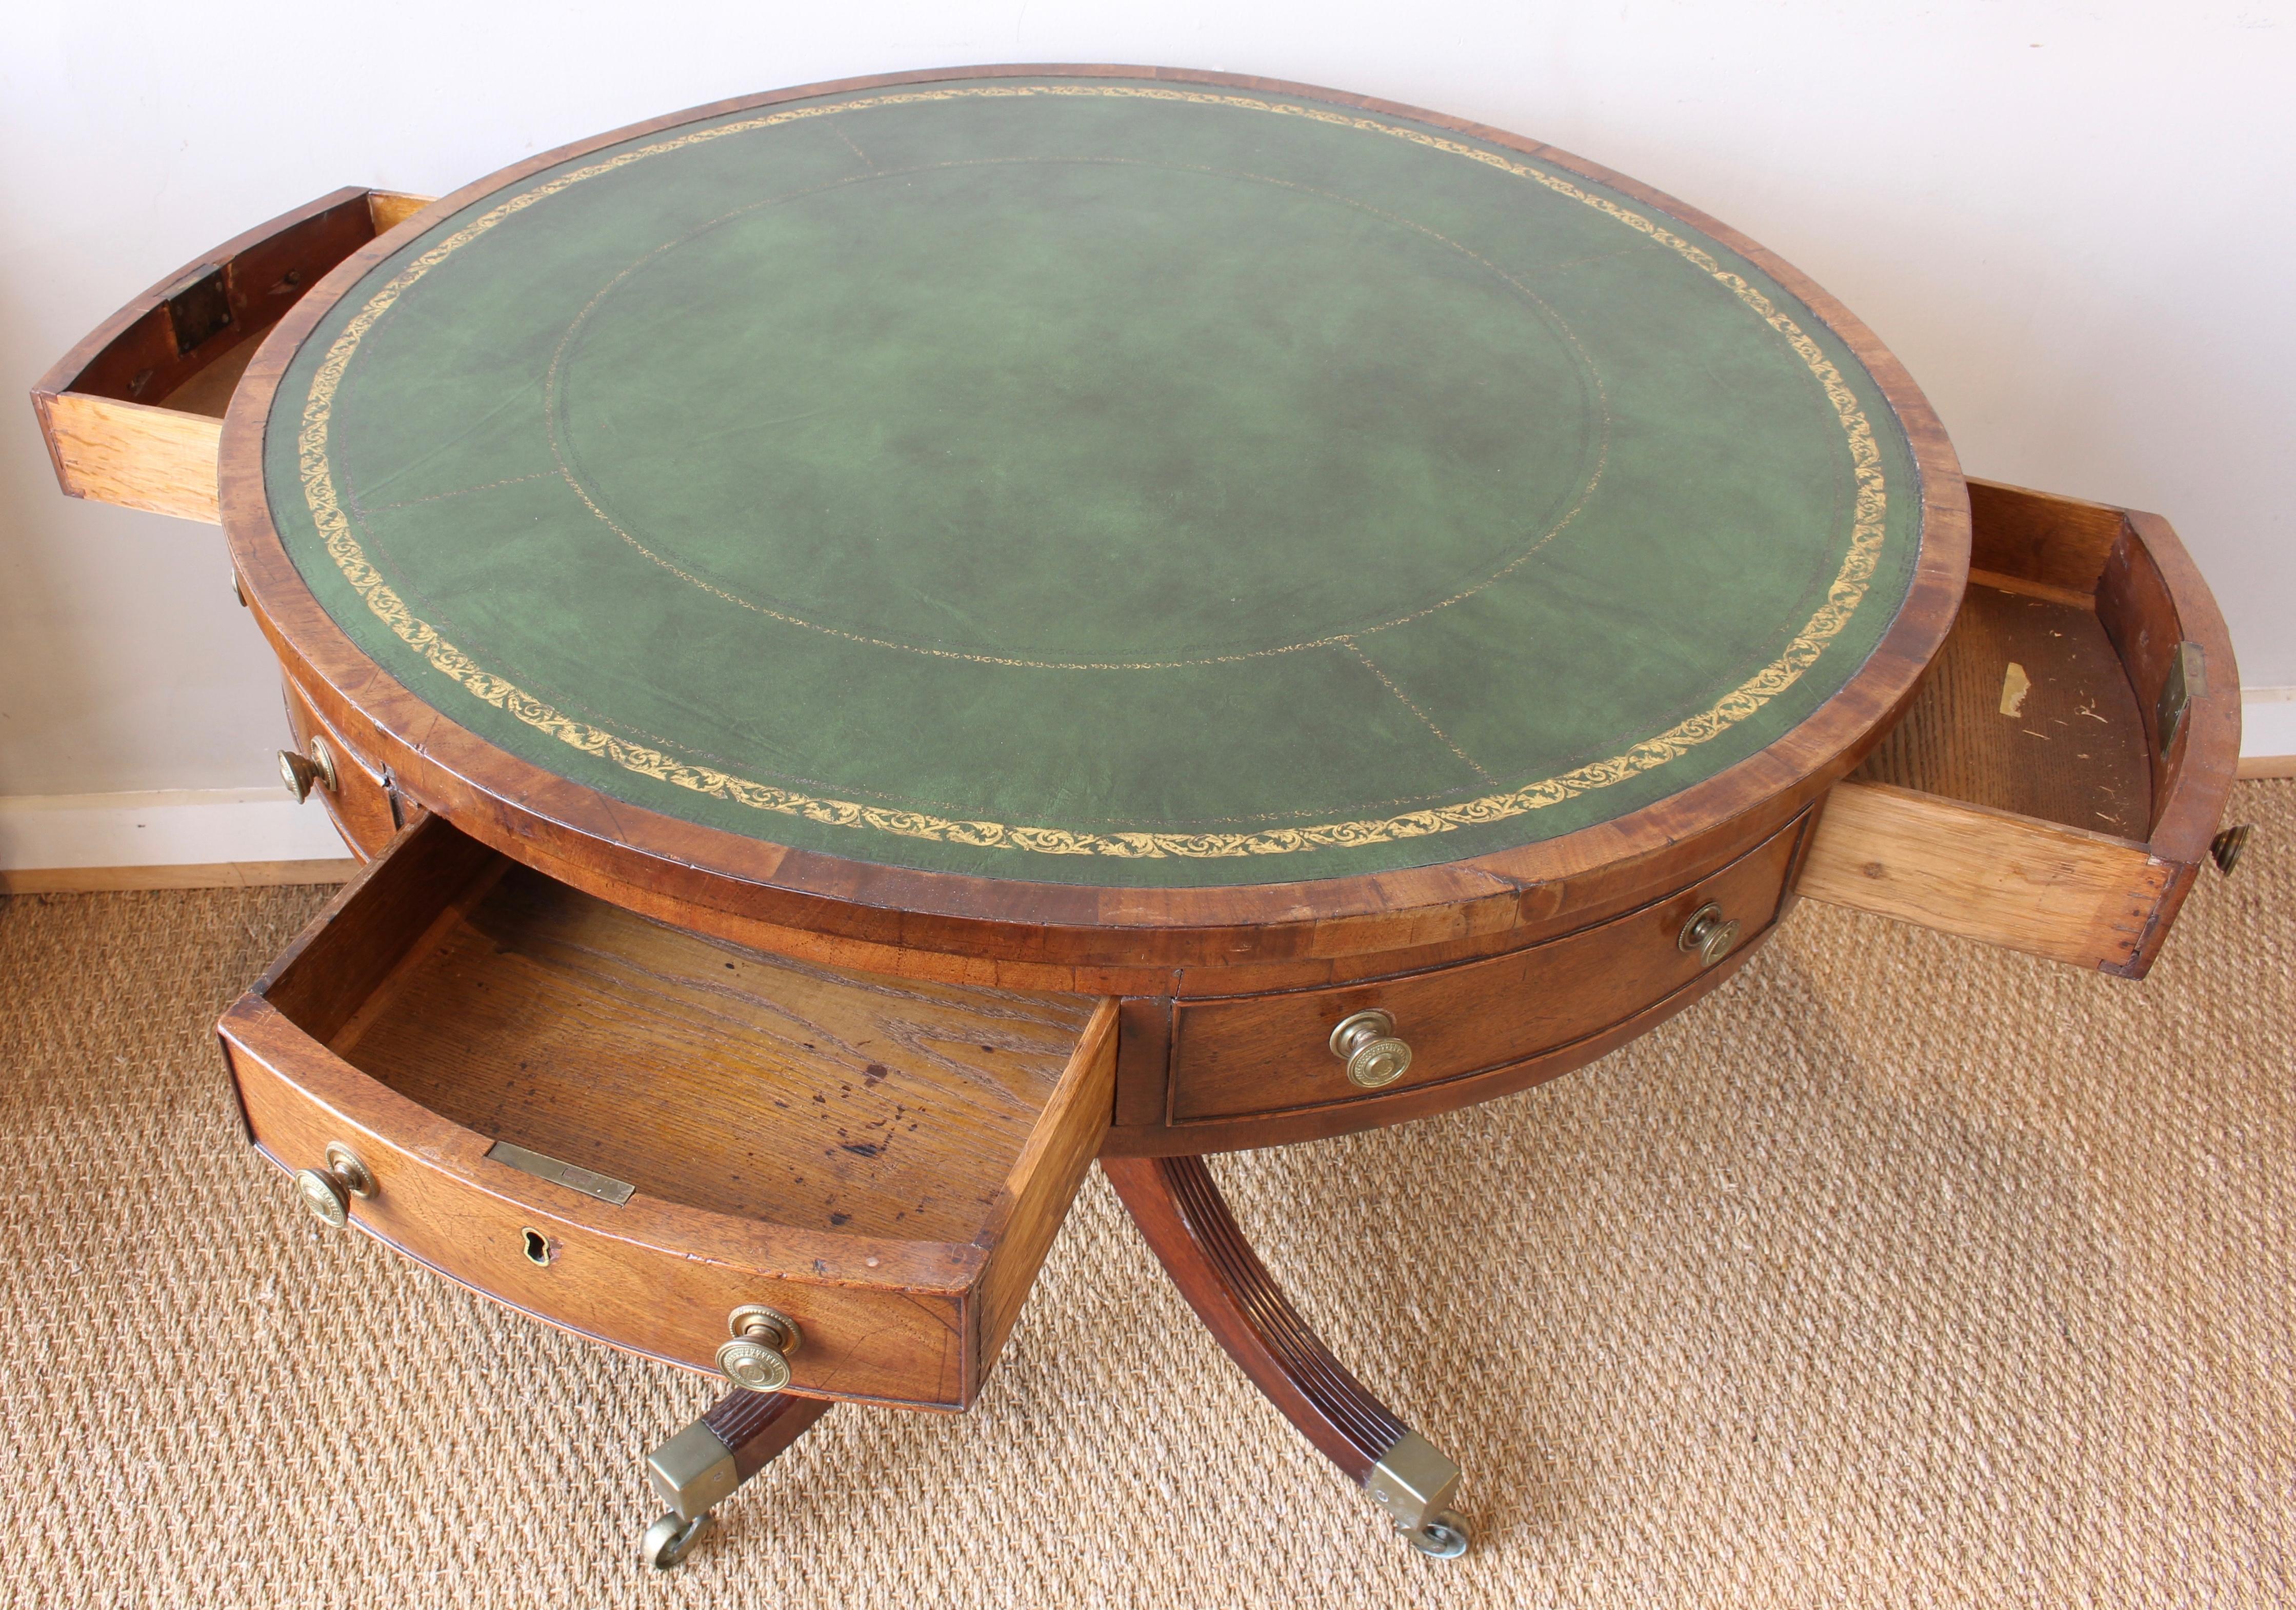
[
  {"x": 2187, "y": 680},
  {"x": 198, "y": 307}
]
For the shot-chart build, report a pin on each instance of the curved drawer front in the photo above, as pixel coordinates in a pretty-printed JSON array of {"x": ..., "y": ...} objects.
[
  {"x": 1270, "y": 1054},
  {"x": 642, "y": 1275},
  {"x": 631, "y": 1131},
  {"x": 361, "y": 801}
]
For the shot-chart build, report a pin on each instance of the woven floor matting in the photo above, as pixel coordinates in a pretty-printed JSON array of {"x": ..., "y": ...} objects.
[{"x": 1902, "y": 1271}]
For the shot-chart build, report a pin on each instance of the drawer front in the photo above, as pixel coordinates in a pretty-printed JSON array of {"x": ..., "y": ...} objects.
[
  {"x": 631, "y": 1131},
  {"x": 1269, "y": 1054},
  {"x": 361, "y": 801},
  {"x": 439, "y": 1199}
]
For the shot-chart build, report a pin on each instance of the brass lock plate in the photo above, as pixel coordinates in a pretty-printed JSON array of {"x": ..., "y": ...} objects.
[{"x": 573, "y": 1176}]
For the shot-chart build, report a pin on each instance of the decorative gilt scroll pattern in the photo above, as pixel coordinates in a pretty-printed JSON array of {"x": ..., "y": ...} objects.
[{"x": 1844, "y": 596}]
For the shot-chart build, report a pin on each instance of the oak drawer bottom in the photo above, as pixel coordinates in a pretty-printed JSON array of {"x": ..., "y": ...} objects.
[
  {"x": 2055, "y": 782},
  {"x": 631, "y": 1131}
]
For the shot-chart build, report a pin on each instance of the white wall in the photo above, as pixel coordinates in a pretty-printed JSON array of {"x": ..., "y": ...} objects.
[{"x": 2074, "y": 223}]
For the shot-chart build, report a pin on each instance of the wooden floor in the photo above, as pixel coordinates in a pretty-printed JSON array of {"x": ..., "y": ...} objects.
[{"x": 204, "y": 875}]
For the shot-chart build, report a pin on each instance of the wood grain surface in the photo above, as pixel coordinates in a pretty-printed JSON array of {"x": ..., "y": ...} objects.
[
  {"x": 757, "y": 1427},
  {"x": 1268, "y": 1052},
  {"x": 209, "y": 392},
  {"x": 1181, "y": 1214},
  {"x": 2083, "y": 897},
  {"x": 2041, "y": 537},
  {"x": 1374, "y": 1109},
  {"x": 157, "y": 459},
  {"x": 2059, "y": 738},
  {"x": 364, "y": 808},
  {"x": 902, "y": 1151},
  {"x": 718, "y": 1077},
  {"x": 1043, "y": 1178},
  {"x": 132, "y": 414},
  {"x": 648, "y": 1276},
  {"x": 2061, "y": 826}
]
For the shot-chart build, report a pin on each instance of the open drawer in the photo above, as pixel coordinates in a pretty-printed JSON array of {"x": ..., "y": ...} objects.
[
  {"x": 134, "y": 413},
  {"x": 2055, "y": 782},
  {"x": 633, "y": 1131}
]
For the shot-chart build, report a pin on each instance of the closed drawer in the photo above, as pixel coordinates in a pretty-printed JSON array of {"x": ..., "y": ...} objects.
[
  {"x": 365, "y": 809},
  {"x": 2055, "y": 782},
  {"x": 630, "y": 1130},
  {"x": 1272, "y": 1053}
]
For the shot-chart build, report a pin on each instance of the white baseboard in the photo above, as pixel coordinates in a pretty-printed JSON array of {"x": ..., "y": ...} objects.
[
  {"x": 190, "y": 838},
  {"x": 176, "y": 838},
  {"x": 2268, "y": 731}
]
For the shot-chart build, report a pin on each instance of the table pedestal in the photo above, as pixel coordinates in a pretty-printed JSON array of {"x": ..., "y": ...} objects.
[{"x": 1187, "y": 1223}]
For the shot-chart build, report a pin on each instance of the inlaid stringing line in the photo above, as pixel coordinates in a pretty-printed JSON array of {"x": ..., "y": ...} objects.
[{"x": 1843, "y": 596}]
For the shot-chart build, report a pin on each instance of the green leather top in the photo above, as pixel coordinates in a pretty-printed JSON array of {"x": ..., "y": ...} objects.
[{"x": 1095, "y": 480}]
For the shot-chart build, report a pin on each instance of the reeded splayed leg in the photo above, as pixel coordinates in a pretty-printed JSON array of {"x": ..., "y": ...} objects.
[
  {"x": 1188, "y": 1224},
  {"x": 739, "y": 1435}
]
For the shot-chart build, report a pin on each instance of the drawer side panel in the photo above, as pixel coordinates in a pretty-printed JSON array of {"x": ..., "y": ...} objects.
[{"x": 2031, "y": 885}]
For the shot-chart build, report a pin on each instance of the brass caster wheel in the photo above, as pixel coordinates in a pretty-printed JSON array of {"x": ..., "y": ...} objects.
[
  {"x": 669, "y": 1539},
  {"x": 1445, "y": 1537}
]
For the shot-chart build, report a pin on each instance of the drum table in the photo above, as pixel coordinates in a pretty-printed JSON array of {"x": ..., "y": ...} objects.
[{"x": 883, "y": 641}]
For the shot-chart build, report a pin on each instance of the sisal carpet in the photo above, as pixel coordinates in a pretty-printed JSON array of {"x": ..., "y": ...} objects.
[{"x": 1901, "y": 1271}]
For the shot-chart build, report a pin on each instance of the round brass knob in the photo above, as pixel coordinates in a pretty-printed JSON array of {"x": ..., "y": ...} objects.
[
  {"x": 327, "y": 1192},
  {"x": 299, "y": 772},
  {"x": 2226, "y": 847},
  {"x": 1367, "y": 1044},
  {"x": 1709, "y": 935},
  {"x": 757, "y": 1360}
]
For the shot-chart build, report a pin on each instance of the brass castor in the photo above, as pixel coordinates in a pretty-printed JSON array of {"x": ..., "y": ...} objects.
[
  {"x": 669, "y": 1539},
  {"x": 1445, "y": 1537}
]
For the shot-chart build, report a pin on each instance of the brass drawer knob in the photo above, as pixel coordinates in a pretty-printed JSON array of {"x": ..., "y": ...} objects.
[
  {"x": 299, "y": 772},
  {"x": 2226, "y": 847},
  {"x": 757, "y": 1360},
  {"x": 1709, "y": 935},
  {"x": 1367, "y": 1044},
  {"x": 327, "y": 1192}
]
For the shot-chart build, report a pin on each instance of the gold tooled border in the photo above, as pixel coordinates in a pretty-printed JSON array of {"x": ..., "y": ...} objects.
[{"x": 1843, "y": 597}]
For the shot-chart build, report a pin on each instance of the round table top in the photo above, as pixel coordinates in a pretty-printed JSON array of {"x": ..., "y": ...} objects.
[{"x": 1097, "y": 480}]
